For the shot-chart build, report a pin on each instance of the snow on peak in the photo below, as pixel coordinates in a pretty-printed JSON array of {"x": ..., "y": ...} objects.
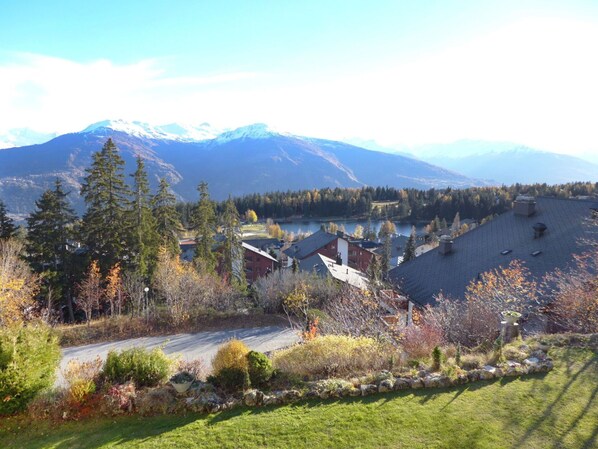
[
  {"x": 172, "y": 131},
  {"x": 255, "y": 131}
]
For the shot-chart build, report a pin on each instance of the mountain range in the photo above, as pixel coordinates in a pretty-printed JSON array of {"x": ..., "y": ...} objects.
[
  {"x": 250, "y": 159},
  {"x": 498, "y": 162}
]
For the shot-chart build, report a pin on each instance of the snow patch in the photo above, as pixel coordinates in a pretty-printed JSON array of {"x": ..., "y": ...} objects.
[
  {"x": 171, "y": 131},
  {"x": 255, "y": 131}
]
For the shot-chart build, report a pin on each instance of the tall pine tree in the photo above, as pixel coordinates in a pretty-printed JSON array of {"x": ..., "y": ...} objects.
[
  {"x": 232, "y": 252},
  {"x": 106, "y": 195},
  {"x": 204, "y": 222},
  {"x": 410, "y": 246},
  {"x": 7, "y": 225},
  {"x": 50, "y": 227},
  {"x": 167, "y": 217},
  {"x": 144, "y": 238}
]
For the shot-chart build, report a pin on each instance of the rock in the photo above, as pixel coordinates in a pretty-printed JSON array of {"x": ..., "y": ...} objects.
[
  {"x": 324, "y": 394},
  {"x": 354, "y": 392},
  {"x": 461, "y": 379},
  {"x": 253, "y": 398},
  {"x": 401, "y": 384},
  {"x": 487, "y": 373},
  {"x": 416, "y": 383},
  {"x": 385, "y": 386},
  {"x": 271, "y": 400},
  {"x": 531, "y": 361},
  {"x": 473, "y": 375},
  {"x": 311, "y": 394},
  {"x": 422, "y": 373},
  {"x": 367, "y": 389},
  {"x": 290, "y": 395}
]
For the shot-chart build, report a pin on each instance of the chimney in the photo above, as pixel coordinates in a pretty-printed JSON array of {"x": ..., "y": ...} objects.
[
  {"x": 446, "y": 244},
  {"x": 340, "y": 234},
  {"x": 524, "y": 205},
  {"x": 539, "y": 230},
  {"x": 339, "y": 259}
]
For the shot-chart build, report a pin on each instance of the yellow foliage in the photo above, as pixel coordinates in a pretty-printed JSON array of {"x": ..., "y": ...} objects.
[
  {"x": 230, "y": 355},
  {"x": 18, "y": 285}
]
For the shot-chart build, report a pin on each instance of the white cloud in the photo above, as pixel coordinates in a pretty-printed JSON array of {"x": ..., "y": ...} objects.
[{"x": 532, "y": 82}]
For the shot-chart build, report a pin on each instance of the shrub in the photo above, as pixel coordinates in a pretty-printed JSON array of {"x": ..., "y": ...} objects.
[
  {"x": 436, "y": 358},
  {"x": 472, "y": 361},
  {"x": 419, "y": 341},
  {"x": 458, "y": 355},
  {"x": 195, "y": 367},
  {"x": 48, "y": 404},
  {"x": 81, "y": 378},
  {"x": 332, "y": 355},
  {"x": 119, "y": 399},
  {"x": 144, "y": 367},
  {"x": 231, "y": 379},
  {"x": 259, "y": 367},
  {"x": 230, "y": 355},
  {"x": 29, "y": 358}
]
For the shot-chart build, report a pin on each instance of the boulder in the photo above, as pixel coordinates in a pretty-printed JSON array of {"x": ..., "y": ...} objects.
[
  {"x": 252, "y": 398},
  {"x": 367, "y": 389},
  {"x": 416, "y": 383},
  {"x": 385, "y": 386},
  {"x": 401, "y": 384}
]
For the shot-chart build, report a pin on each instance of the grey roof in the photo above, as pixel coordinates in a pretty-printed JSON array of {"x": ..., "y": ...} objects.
[
  {"x": 258, "y": 251},
  {"x": 264, "y": 243},
  {"x": 308, "y": 245},
  {"x": 397, "y": 248},
  {"x": 325, "y": 266},
  {"x": 479, "y": 250}
]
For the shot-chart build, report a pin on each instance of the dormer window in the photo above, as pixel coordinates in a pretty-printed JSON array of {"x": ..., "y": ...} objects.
[
  {"x": 536, "y": 253},
  {"x": 506, "y": 251}
]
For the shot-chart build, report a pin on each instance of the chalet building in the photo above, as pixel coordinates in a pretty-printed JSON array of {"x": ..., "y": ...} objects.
[
  {"x": 543, "y": 233},
  {"x": 333, "y": 246},
  {"x": 258, "y": 263}
]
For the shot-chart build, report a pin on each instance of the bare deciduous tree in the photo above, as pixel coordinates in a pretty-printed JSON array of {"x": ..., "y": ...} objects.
[{"x": 90, "y": 291}]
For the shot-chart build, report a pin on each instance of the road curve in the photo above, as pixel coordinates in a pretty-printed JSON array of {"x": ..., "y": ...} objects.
[{"x": 201, "y": 345}]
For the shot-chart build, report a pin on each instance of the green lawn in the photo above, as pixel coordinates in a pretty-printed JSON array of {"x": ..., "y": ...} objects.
[{"x": 554, "y": 410}]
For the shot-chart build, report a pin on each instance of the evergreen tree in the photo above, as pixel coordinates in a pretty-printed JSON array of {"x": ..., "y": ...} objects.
[
  {"x": 374, "y": 272},
  {"x": 295, "y": 265},
  {"x": 167, "y": 218},
  {"x": 144, "y": 238},
  {"x": 7, "y": 226},
  {"x": 386, "y": 255},
  {"x": 204, "y": 221},
  {"x": 105, "y": 193},
  {"x": 50, "y": 227},
  {"x": 409, "y": 253},
  {"x": 232, "y": 252}
]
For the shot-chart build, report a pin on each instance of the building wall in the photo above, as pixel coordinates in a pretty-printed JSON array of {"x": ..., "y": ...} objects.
[
  {"x": 257, "y": 266},
  {"x": 359, "y": 258}
]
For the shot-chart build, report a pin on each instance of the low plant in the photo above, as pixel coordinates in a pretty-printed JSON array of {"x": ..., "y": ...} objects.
[
  {"x": 419, "y": 341},
  {"x": 334, "y": 355},
  {"x": 144, "y": 367},
  {"x": 182, "y": 377},
  {"x": 259, "y": 368},
  {"x": 333, "y": 385},
  {"x": 232, "y": 354},
  {"x": 29, "y": 357},
  {"x": 195, "y": 367},
  {"x": 436, "y": 358},
  {"x": 458, "y": 355},
  {"x": 81, "y": 379},
  {"x": 472, "y": 361},
  {"x": 119, "y": 399}
]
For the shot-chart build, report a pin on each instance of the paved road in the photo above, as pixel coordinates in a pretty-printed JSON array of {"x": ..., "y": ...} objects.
[{"x": 190, "y": 346}]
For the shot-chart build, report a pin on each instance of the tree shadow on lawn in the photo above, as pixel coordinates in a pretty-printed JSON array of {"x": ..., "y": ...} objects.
[{"x": 550, "y": 414}]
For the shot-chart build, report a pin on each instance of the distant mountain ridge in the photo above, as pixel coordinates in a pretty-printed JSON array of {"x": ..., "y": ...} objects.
[{"x": 249, "y": 159}]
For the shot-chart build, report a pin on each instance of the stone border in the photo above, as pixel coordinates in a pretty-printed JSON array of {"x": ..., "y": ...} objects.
[{"x": 210, "y": 402}]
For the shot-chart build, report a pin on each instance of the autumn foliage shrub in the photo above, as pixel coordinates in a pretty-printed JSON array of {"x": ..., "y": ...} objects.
[
  {"x": 29, "y": 357},
  {"x": 146, "y": 368},
  {"x": 232, "y": 354},
  {"x": 419, "y": 341},
  {"x": 334, "y": 355},
  {"x": 81, "y": 378}
]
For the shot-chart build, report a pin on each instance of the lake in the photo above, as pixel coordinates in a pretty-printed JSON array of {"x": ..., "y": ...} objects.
[{"x": 311, "y": 226}]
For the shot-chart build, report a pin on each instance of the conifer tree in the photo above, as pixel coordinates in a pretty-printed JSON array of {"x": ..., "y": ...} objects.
[
  {"x": 7, "y": 226},
  {"x": 374, "y": 272},
  {"x": 50, "y": 227},
  {"x": 144, "y": 236},
  {"x": 106, "y": 195},
  {"x": 204, "y": 221},
  {"x": 232, "y": 252},
  {"x": 409, "y": 253},
  {"x": 386, "y": 255},
  {"x": 167, "y": 218}
]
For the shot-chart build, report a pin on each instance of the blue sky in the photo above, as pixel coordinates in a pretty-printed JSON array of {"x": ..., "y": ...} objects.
[{"x": 396, "y": 71}]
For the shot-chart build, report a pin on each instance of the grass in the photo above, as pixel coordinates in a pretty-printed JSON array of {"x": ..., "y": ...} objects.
[
  {"x": 554, "y": 410},
  {"x": 255, "y": 230}
]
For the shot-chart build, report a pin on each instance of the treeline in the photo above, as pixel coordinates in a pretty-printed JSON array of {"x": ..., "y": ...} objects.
[
  {"x": 408, "y": 204},
  {"x": 123, "y": 242}
]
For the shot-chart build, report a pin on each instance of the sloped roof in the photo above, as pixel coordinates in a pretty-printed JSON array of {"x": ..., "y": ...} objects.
[
  {"x": 258, "y": 251},
  {"x": 308, "y": 245},
  {"x": 479, "y": 250},
  {"x": 325, "y": 266}
]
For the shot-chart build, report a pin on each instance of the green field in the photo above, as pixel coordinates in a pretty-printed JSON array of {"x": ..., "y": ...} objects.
[{"x": 554, "y": 410}]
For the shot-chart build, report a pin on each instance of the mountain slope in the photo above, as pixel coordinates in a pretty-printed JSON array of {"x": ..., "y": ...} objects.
[
  {"x": 508, "y": 163},
  {"x": 249, "y": 159}
]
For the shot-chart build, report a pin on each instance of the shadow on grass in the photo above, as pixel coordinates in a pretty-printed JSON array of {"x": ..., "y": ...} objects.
[{"x": 549, "y": 414}]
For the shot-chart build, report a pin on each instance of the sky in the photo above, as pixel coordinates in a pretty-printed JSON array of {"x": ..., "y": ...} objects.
[{"x": 402, "y": 73}]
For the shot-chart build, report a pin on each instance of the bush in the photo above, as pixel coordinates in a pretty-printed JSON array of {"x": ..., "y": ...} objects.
[
  {"x": 195, "y": 367},
  {"x": 81, "y": 378},
  {"x": 231, "y": 379},
  {"x": 119, "y": 399},
  {"x": 230, "y": 355},
  {"x": 145, "y": 368},
  {"x": 259, "y": 367},
  {"x": 334, "y": 355},
  {"x": 29, "y": 358},
  {"x": 419, "y": 341},
  {"x": 472, "y": 361},
  {"x": 436, "y": 358}
]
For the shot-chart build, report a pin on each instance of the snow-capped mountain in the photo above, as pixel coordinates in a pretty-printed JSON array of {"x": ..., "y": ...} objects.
[
  {"x": 20, "y": 137},
  {"x": 249, "y": 159},
  {"x": 171, "y": 131}
]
